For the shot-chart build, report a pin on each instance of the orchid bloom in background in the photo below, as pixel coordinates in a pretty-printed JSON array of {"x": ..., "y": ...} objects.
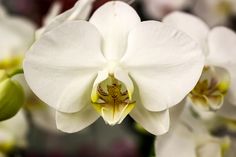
[
  {"x": 13, "y": 133},
  {"x": 217, "y": 85},
  {"x": 157, "y": 9},
  {"x": 80, "y": 11},
  {"x": 111, "y": 66},
  {"x": 16, "y": 35},
  {"x": 190, "y": 138},
  {"x": 215, "y": 12}
]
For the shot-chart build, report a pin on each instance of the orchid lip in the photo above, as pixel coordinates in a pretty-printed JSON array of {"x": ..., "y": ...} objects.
[
  {"x": 113, "y": 102},
  {"x": 210, "y": 90}
]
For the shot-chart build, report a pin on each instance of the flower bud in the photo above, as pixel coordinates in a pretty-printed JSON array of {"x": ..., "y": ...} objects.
[{"x": 11, "y": 96}]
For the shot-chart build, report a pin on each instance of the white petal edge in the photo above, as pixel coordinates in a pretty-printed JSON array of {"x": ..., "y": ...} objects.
[
  {"x": 191, "y": 25},
  {"x": 165, "y": 67},
  {"x": 114, "y": 20},
  {"x": 74, "y": 122},
  {"x": 53, "y": 12},
  {"x": 80, "y": 11},
  {"x": 222, "y": 53},
  {"x": 177, "y": 143},
  {"x": 54, "y": 64},
  {"x": 157, "y": 123},
  {"x": 44, "y": 117}
]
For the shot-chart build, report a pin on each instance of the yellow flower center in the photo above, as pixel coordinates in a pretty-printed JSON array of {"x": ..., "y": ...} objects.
[
  {"x": 11, "y": 63},
  {"x": 224, "y": 8},
  {"x": 113, "y": 102},
  {"x": 210, "y": 90}
]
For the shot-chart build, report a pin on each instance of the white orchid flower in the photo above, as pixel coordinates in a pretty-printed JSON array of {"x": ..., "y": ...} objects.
[
  {"x": 16, "y": 36},
  {"x": 110, "y": 66},
  {"x": 190, "y": 138},
  {"x": 218, "y": 80},
  {"x": 13, "y": 132},
  {"x": 215, "y": 12},
  {"x": 157, "y": 9}
]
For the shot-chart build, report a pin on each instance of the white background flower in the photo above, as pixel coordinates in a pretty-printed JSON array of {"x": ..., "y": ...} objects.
[
  {"x": 13, "y": 132},
  {"x": 157, "y": 9},
  {"x": 218, "y": 45},
  {"x": 16, "y": 36},
  {"x": 160, "y": 63},
  {"x": 215, "y": 12},
  {"x": 189, "y": 138}
]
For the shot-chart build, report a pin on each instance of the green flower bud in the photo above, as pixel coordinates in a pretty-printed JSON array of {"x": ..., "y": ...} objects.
[{"x": 11, "y": 96}]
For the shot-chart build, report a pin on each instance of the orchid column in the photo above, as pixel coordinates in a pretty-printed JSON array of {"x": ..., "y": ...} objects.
[{"x": 111, "y": 66}]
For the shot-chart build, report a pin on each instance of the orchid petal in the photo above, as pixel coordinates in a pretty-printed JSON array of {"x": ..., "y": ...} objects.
[
  {"x": 73, "y": 122},
  {"x": 199, "y": 33},
  {"x": 177, "y": 143},
  {"x": 59, "y": 71},
  {"x": 114, "y": 20},
  {"x": 43, "y": 116},
  {"x": 80, "y": 11},
  {"x": 165, "y": 67},
  {"x": 222, "y": 53},
  {"x": 53, "y": 12},
  {"x": 156, "y": 123},
  {"x": 18, "y": 34}
]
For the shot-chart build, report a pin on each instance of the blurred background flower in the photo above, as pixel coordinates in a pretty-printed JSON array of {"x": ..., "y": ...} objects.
[{"x": 215, "y": 12}]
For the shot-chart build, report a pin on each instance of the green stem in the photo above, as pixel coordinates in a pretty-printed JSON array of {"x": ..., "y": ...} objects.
[{"x": 16, "y": 72}]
